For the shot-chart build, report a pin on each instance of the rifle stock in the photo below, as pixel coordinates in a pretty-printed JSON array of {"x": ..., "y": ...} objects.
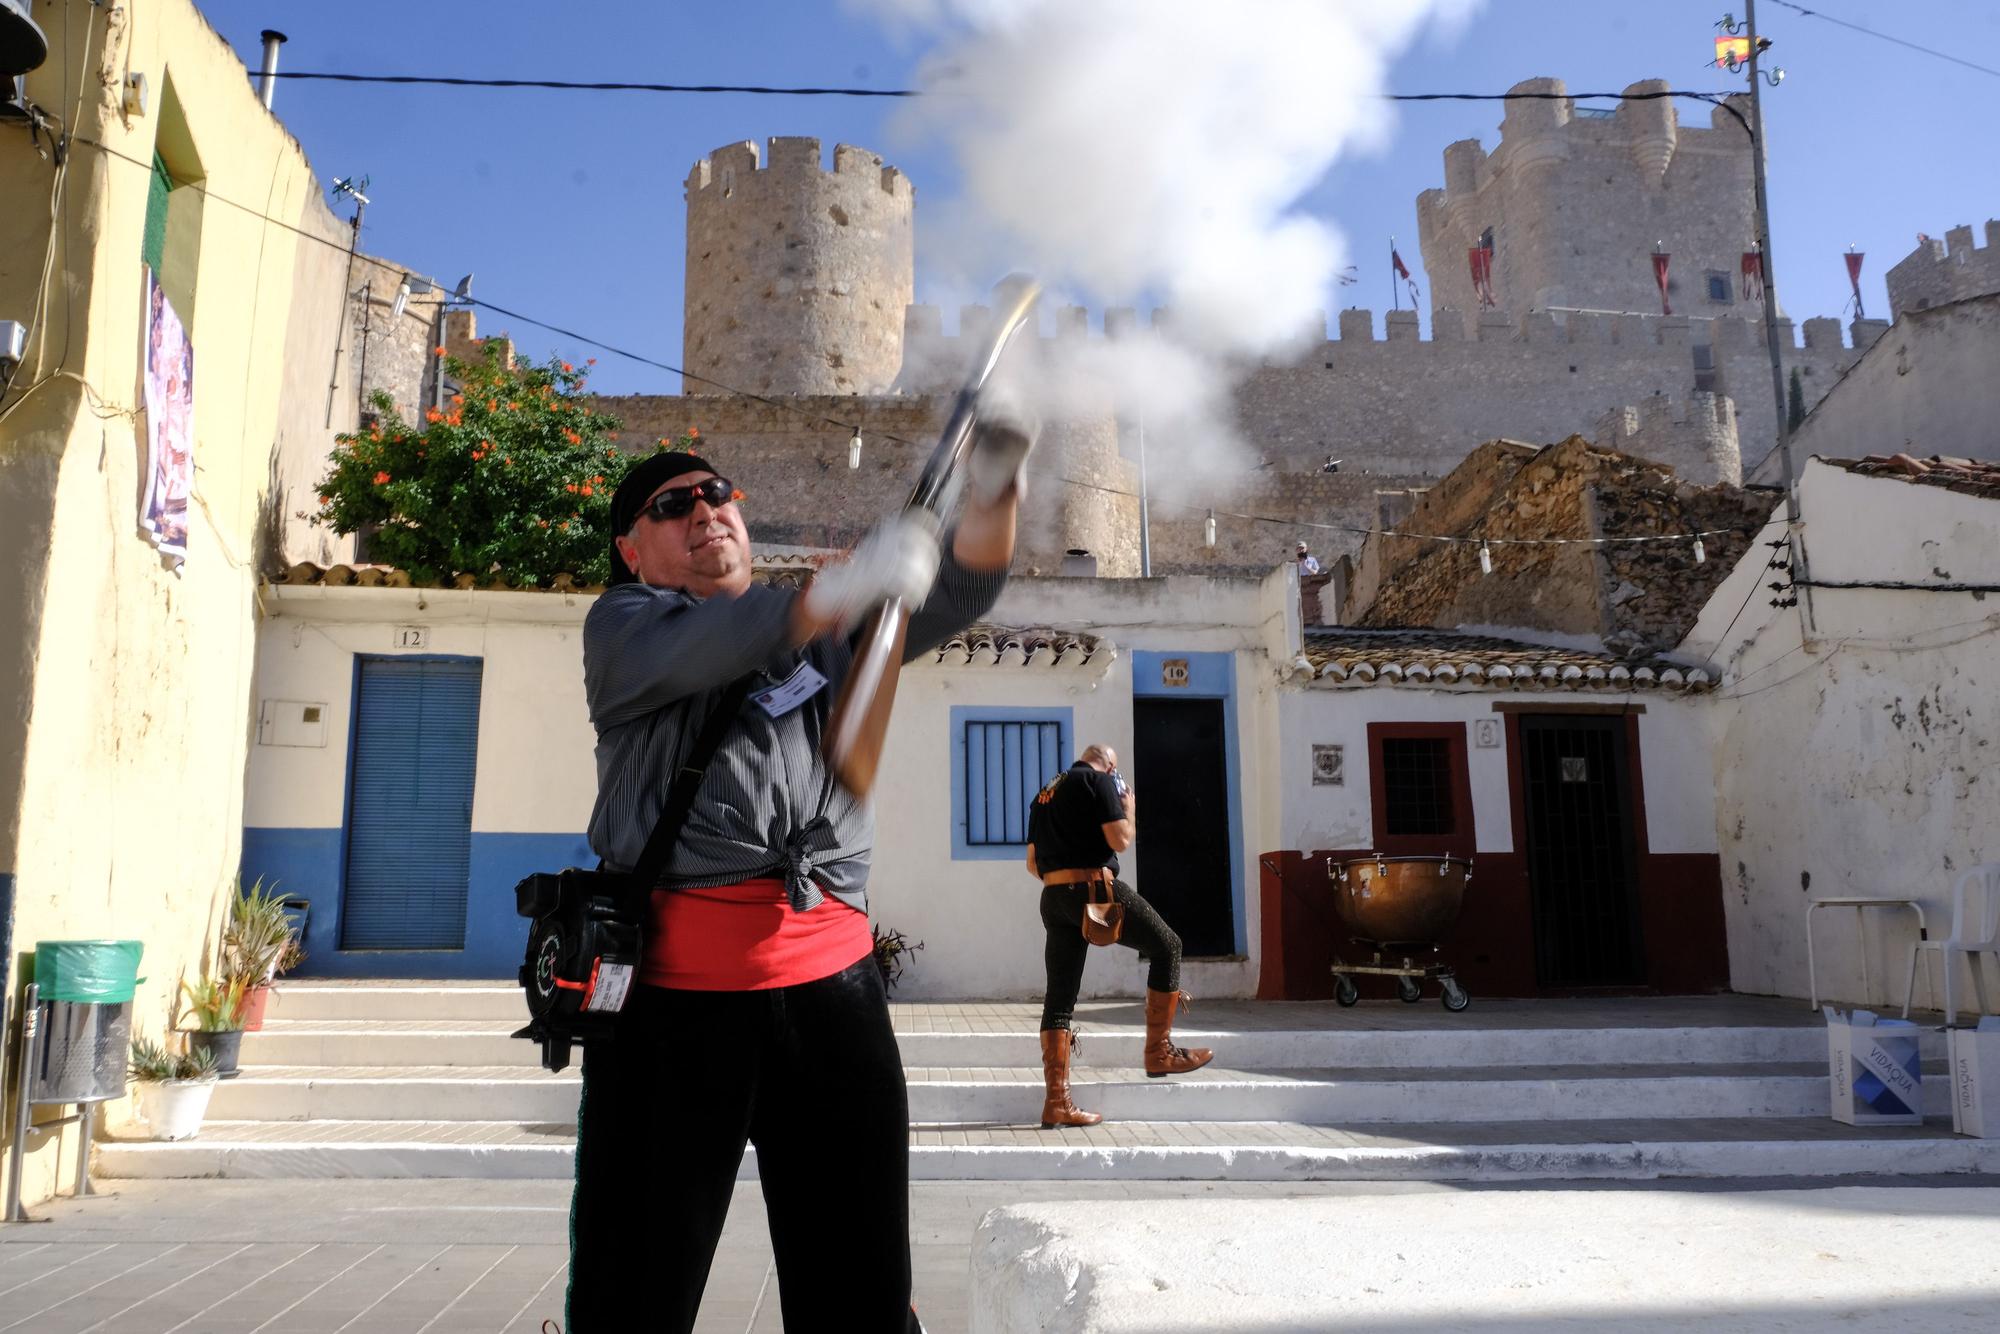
[{"x": 860, "y": 720}]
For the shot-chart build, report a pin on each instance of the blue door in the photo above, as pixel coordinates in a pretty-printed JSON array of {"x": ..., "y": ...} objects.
[{"x": 409, "y": 828}]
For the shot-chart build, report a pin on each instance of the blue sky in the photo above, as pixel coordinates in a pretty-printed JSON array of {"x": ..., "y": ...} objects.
[{"x": 568, "y": 205}]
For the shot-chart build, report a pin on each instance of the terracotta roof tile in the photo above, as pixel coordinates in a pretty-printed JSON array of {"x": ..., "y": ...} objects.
[
  {"x": 1973, "y": 477},
  {"x": 1447, "y": 658},
  {"x": 1005, "y": 645}
]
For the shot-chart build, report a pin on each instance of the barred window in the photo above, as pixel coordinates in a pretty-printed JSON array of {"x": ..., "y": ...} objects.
[
  {"x": 1417, "y": 782},
  {"x": 1004, "y": 762}
]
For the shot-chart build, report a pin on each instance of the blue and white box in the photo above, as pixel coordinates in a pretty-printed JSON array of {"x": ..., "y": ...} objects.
[
  {"x": 1974, "y": 1054},
  {"x": 1875, "y": 1070}
]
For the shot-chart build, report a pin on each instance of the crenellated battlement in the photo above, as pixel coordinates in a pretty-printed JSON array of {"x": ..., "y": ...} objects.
[
  {"x": 1940, "y": 271},
  {"x": 793, "y": 156},
  {"x": 923, "y": 325}
]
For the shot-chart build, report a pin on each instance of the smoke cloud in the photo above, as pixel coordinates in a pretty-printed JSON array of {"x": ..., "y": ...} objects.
[{"x": 1153, "y": 152}]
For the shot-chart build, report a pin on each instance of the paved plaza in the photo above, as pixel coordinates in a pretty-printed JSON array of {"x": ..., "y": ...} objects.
[{"x": 465, "y": 1257}]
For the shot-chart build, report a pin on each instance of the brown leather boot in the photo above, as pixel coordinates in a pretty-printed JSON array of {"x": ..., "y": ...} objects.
[
  {"x": 1162, "y": 1056},
  {"x": 1057, "y": 1109}
]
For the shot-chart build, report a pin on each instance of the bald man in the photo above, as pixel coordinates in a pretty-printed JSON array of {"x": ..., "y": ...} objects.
[{"x": 1077, "y": 826}]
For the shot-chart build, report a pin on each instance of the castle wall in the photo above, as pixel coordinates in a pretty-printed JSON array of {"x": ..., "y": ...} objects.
[
  {"x": 1939, "y": 272},
  {"x": 1696, "y": 437},
  {"x": 1577, "y": 202},
  {"x": 797, "y": 277},
  {"x": 790, "y": 458}
]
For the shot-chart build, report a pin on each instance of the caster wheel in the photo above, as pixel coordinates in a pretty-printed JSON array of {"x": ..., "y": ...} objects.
[
  {"x": 1409, "y": 990},
  {"x": 1345, "y": 991},
  {"x": 1455, "y": 997}
]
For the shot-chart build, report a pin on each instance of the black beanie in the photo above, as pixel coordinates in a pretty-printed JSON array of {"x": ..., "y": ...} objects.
[{"x": 629, "y": 500}]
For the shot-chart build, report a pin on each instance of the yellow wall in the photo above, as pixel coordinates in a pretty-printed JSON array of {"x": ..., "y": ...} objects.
[{"x": 127, "y": 686}]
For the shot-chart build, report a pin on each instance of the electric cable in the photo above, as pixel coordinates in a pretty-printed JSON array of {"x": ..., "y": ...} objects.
[
  {"x": 848, "y": 426},
  {"x": 1885, "y": 37}
]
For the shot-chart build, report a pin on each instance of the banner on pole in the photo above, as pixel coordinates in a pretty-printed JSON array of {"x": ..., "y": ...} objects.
[{"x": 1660, "y": 276}]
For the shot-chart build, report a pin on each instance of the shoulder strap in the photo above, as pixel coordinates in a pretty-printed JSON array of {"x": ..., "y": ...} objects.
[{"x": 686, "y": 782}]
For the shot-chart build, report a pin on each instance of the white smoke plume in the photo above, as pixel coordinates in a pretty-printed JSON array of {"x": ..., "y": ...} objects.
[{"x": 1153, "y": 152}]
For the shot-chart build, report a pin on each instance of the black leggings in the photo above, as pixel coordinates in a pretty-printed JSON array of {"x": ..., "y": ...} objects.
[
  {"x": 1066, "y": 949},
  {"x": 809, "y": 1074}
]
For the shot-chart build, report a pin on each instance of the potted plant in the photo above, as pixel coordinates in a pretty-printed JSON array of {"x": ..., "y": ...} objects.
[
  {"x": 174, "y": 1088},
  {"x": 215, "y": 1005},
  {"x": 259, "y": 942},
  {"x": 891, "y": 951}
]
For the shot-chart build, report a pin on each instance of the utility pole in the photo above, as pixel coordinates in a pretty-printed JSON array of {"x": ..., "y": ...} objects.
[
  {"x": 1792, "y": 524},
  {"x": 1145, "y": 527},
  {"x": 345, "y": 186}
]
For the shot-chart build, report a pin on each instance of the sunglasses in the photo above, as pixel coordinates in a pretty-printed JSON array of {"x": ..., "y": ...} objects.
[{"x": 677, "y": 502}]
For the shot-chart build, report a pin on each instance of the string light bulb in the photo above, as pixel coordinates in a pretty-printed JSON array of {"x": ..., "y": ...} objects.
[
  {"x": 1700, "y": 551},
  {"x": 1485, "y": 557},
  {"x": 854, "y": 451},
  {"x": 1208, "y": 530}
]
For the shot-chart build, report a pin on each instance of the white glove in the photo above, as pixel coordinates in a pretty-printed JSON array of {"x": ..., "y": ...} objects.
[
  {"x": 1001, "y": 442},
  {"x": 898, "y": 559}
]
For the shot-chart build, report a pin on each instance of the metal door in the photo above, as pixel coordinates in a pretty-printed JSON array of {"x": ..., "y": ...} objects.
[
  {"x": 1182, "y": 848},
  {"x": 1582, "y": 867},
  {"x": 409, "y": 831}
]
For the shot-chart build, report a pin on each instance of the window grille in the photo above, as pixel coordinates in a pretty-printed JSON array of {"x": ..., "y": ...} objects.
[
  {"x": 1416, "y": 779},
  {"x": 1006, "y": 763}
]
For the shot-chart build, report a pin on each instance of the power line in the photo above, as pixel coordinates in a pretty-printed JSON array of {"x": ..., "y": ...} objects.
[
  {"x": 568, "y": 85},
  {"x": 767, "y": 90},
  {"x": 1885, "y": 37},
  {"x": 855, "y": 427}
]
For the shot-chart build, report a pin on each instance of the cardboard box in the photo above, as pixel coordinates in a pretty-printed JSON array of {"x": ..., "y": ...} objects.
[
  {"x": 1974, "y": 1054},
  {"x": 1875, "y": 1073}
]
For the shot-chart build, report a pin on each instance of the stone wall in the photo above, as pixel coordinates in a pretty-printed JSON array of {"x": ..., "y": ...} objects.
[
  {"x": 1938, "y": 272},
  {"x": 1695, "y": 437},
  {"x": 1633, "y": 597},
  {"x": 797, "y": 277},
  {"x": 790, "y": 456},
  {"x": 1577, "y": 200}
]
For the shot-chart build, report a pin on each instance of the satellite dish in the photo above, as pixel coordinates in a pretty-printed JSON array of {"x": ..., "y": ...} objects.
[{"x": 22, "y": 46}]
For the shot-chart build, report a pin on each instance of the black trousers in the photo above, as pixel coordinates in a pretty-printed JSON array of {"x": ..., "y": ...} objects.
[
  {"x": 809, "y": 1074},
  {"x": 1066, "y": 951}
]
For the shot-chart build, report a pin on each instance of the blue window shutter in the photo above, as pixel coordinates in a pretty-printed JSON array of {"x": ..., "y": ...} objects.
[
  {"x": 1006, "y": 762},
  {"x": 409, "y": 835}
]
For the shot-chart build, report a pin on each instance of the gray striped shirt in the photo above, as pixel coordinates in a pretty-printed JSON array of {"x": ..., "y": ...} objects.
[{"x": 655, "y": 664}]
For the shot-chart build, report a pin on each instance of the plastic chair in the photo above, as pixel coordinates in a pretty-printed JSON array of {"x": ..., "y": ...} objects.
[{"x": 1975, "y": 931}]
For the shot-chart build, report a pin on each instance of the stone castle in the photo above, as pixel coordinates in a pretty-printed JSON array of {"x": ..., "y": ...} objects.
[{"x": 799, "y": 284}]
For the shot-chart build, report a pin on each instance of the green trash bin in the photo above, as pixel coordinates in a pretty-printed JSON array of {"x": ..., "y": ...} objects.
[{"x": 84, "y": 994}]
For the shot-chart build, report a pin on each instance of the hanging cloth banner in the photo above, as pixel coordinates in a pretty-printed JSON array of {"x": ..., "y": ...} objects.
[
  {"x": 1660, "y": 277},
  {"x": 169, "y": 399},
  {"x": 1753, "y": 275},
  {"x": 1481, "y": 260},
  {"x": 1854, "y": 258}
]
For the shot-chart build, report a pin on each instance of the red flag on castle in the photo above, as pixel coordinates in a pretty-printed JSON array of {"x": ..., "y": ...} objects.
[
  {"x": 1481, "y": 260},
  {"x": 1753, "y": 275},
  {"x": 1854, "y": 258},
  {"x": 1660, "y": 258},
  {"x": 1398, "y": 269}
]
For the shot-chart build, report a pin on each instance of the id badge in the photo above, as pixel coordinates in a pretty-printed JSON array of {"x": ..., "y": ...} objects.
[{"x": 778, "y": 700}]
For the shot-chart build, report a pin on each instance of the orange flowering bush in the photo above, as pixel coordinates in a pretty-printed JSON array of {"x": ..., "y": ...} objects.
[{"x": 512, "y": 477}]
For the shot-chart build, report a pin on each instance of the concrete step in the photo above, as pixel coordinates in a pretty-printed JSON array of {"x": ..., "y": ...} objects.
[
  {"x": 487, "y": 1042},
  {"x": 1211, "y": 1094},
  {"x": 396, "y": 1001},
  {"x": 1134, "y": 1151}
]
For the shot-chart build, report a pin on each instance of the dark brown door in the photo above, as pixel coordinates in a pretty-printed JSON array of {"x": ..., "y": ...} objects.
[
  {"x": 1180, "y": 777},
  {"x": 1582, "y": 869}
]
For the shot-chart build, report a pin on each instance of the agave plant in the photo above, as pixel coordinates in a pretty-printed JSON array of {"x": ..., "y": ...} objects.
[
  {"x": 153, "y": 1062},
  {"x": 257, "y": 933}
]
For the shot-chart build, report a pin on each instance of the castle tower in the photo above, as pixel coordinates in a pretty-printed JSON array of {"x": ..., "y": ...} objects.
[
  {"x": 797, "y": 277},
  {"x": 1576, "y": 198}
]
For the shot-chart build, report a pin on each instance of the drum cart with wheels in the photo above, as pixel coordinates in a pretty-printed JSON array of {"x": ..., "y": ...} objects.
[{"x": 1398, "y": 909}]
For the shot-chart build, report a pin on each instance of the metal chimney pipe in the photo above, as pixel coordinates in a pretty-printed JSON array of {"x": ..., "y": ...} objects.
[{"x": 266, "y": 83}]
